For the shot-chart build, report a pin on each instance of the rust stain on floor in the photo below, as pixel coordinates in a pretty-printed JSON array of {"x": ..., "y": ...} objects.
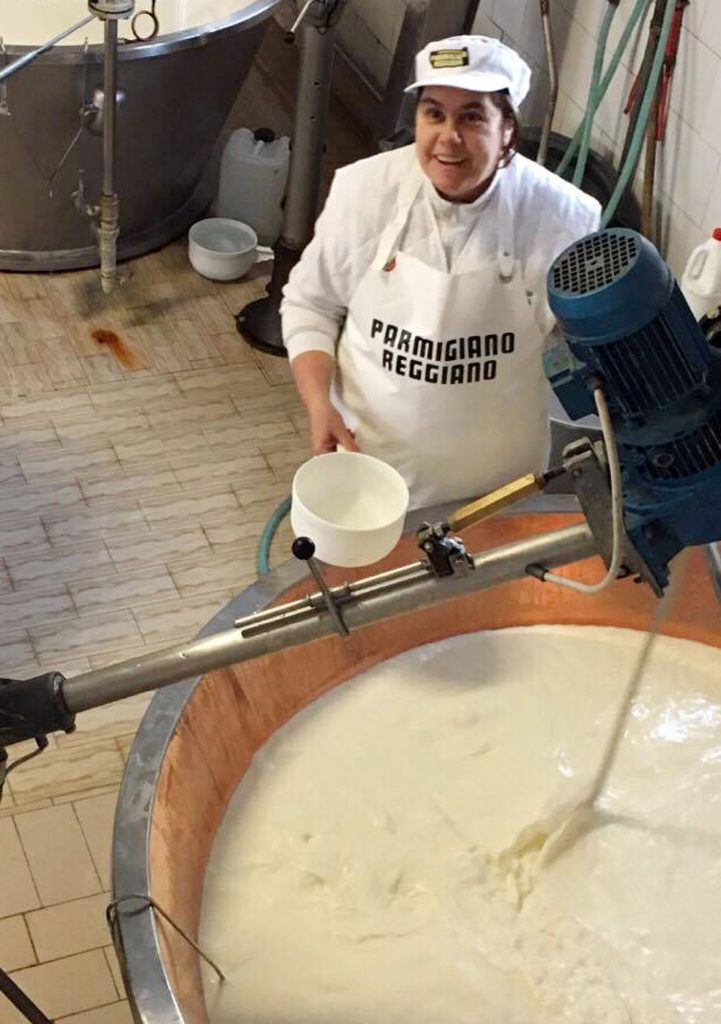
[{"x": 120, "y": 349}]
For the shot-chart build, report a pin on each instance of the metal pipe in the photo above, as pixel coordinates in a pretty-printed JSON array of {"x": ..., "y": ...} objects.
[
  {"x": 28, "y": 58},
  {"x": 553, "y": 82},
  {"x": 380, "y": 599},
  {"x": 109, "y": 220},
  {"x": 309, "y": 131},
  {"x": 713, "y": 556},
  {"x": 110, "y": 91}
]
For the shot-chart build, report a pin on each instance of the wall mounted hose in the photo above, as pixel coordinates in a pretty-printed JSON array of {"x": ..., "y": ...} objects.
[
  {"x": 639, "y": 10},
  {"x": 639, "y": 133},
  {"x": 594, "y": 92}
]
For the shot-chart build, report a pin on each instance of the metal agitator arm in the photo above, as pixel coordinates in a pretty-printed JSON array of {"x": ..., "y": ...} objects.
[{"x": 29, "y": 709}]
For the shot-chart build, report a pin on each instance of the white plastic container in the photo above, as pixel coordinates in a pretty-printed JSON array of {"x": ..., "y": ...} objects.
[
  {"x": 253, "y": 176},
  {"x": 701, "y": 281},
  {"x": 222, "y": 249},
  {"x": 352, "y": 506}
]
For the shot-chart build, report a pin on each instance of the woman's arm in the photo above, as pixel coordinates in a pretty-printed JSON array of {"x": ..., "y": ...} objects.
[
  {"x": 313, "y": 374},
  {"x": 315, "y": 302}
]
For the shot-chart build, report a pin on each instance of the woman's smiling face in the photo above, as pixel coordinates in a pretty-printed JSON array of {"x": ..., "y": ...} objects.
[{"x": 461, "y": 137}]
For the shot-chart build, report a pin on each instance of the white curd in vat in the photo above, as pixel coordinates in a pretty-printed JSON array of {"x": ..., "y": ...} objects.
[{"x": 357, "y": 876}]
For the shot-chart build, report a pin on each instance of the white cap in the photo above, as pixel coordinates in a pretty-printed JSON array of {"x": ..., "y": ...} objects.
[{"x": 478, "y": 63}]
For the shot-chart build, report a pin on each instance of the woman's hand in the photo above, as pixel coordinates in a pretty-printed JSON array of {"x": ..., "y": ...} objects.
[
  {"x": 313, "y": 373},
  {"x": 328, "y": 431}
]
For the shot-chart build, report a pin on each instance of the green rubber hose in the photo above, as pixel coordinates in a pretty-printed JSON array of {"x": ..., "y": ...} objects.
[
  {"x": 640, "y": 132},
  {"x": 594, "y": 92},
  {"x": 262, "y": 559},
  {"x": 640, "y": 9}
]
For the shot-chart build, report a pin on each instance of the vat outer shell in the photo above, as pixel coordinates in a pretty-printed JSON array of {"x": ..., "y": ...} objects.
[{"x": 197, "y": 738}]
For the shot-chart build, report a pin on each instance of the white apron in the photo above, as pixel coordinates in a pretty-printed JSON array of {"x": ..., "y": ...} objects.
[{"x": 440, "y": 374}]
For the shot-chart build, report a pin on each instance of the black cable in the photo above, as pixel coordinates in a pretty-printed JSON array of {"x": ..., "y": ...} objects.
[{"x": 20, "y": 1001}]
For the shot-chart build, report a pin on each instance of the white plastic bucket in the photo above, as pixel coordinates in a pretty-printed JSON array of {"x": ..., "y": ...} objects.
[{"x": 352, "y": 506}]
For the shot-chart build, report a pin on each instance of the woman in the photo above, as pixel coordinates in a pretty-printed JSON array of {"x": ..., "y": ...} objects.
[{"x": 415, "y": 320}]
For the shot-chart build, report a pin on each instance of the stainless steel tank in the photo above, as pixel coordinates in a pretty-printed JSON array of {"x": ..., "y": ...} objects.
[{"x": 178, "y": 90}]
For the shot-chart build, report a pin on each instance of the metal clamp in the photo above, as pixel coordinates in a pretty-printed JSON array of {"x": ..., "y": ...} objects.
[
  {"x": 324, "y": 18},
  {"x": 304, "y": 549},
  {"x": 112, "y": 913},
  {"x": 447, "y": 555},
  {"x": 112, "y": 10}
]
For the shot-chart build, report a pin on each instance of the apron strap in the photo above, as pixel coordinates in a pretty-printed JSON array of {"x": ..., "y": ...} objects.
[
  {"x": 506, "y": 255},
  {"x": 407, "y": 195}
]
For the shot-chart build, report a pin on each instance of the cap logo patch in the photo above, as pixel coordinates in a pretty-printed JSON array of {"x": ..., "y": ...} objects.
[{"x": 449, "y": 58}]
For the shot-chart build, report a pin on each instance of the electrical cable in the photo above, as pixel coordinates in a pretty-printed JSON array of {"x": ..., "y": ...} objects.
[{"x": 614, "y": 465}]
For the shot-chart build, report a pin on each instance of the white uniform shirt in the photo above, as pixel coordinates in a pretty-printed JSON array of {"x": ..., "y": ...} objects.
[{"x": 550, "y": 214}]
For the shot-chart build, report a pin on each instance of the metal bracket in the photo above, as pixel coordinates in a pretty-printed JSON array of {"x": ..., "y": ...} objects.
[
  {"x": 79, "y": 197},
  {"x": 111, "y": 9},
  {"x": 447, "y": 555},
  {"x": 319, "y": 14},
  {"x": 585, "y": 462},
  {"x": 92, "y": 115}
]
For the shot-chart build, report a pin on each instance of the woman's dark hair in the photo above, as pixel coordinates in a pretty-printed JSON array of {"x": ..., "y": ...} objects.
[{"x": 501, "y": 100}]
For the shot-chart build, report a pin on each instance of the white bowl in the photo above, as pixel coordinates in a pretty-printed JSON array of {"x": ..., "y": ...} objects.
[
  {"x": 351, "y": 505},
  {"x": 222, "y": 249}
]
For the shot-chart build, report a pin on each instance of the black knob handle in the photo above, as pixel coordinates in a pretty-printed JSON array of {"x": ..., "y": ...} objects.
[
  {"x": 264, "y": 135},
  {"x": 303, "y": 548}
]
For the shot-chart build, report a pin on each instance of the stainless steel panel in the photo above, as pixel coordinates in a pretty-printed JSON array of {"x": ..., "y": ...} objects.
[{"x": 179, "y": 91}]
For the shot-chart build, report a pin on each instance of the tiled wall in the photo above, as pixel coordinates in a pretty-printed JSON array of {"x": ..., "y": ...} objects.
[
  {"x": 689, "y": 169},
  {"x": 368, "y": 32}
]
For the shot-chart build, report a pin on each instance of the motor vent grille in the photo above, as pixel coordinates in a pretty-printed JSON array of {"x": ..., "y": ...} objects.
[
  {"x": 685, "y": 457},
  {"x": 594, "y": 262},
  {"x": 649, "y": 369}
]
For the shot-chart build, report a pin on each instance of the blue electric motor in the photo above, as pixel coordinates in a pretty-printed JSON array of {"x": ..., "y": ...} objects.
[{"x": 628, "y": 327}]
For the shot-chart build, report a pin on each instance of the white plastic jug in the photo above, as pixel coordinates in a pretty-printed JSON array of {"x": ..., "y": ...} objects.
[
  {"x": 701, "y": 281},
  {"x": 253, "y": 176}
]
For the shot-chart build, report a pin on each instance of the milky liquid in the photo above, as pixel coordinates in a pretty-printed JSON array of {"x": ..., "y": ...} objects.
[
  {"x": 358, "y": 876},
  {"x": 32, "y": 22}
]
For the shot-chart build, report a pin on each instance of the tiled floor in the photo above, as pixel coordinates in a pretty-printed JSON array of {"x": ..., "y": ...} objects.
[{"x": 131, "y": 503}]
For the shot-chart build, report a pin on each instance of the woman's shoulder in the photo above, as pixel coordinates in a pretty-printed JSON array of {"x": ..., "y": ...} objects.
[
  {"x": 385, "y": 170},
  {"x": 364, "y": 196},
  {"x": 542, "y": 195},
  {"x": 370, "y": 187}
]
